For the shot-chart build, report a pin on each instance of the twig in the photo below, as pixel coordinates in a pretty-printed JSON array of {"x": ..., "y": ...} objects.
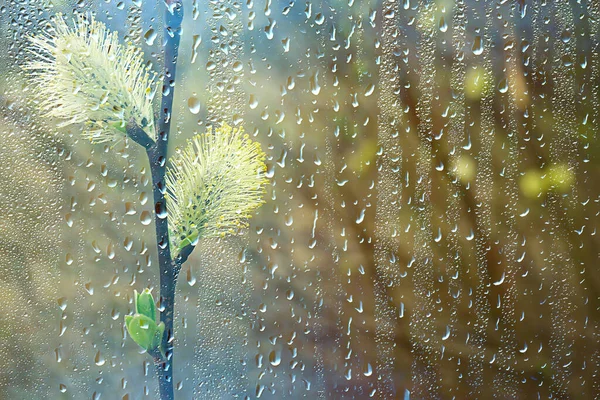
[
  {"x": 138, "y": 135},
  {"x": 157, "y": 155}
]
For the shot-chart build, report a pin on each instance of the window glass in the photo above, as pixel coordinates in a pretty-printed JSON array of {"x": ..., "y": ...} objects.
[{"x": 299, "y": 199}]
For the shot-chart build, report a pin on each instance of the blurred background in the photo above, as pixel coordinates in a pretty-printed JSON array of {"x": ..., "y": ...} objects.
[{"x": 430, "y": 224}]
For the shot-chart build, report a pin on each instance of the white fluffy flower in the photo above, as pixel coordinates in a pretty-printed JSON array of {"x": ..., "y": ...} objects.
[
  {"x": 82, "y": 74},
  {"x": 213, "y": 185}
]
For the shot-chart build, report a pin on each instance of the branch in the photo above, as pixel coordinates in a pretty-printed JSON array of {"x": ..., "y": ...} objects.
[
  {"x": 138, "y": 135},
  {"x": 157, "y": 154},
  {"x": 184, "y": 254},
  {"x": 172, "y": 33},
  {"x": 157, "y": 356}
]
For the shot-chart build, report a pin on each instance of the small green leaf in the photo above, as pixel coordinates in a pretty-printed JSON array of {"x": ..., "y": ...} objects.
[
  {"x": 142, "y": 330},
  {"x": 136, "y": 296},
  {"x": 128, "y": 319},
  {"x": 145, "y": 305},
  {"x": 119, "y": 126},
  {"x": 160, "y": 331},
  {"x": 190, "y": 240}
]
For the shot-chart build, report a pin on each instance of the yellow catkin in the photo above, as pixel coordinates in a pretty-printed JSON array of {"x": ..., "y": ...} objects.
[
  {"x": 213, "y": 185},
  {"x": 83, "y": 75}
]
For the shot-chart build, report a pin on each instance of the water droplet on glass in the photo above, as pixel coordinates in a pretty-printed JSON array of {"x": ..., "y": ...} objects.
[
  {"x": 99, "y": 359},
  {"x": 315, "y": 88},
  {"x": 211, "y": 66},
  {"x": 275, "y": 358},
  {"x": 150, "y": 36},
  {"x": 191, "y": 278},
  {"x": 503, "y": 86},
  {"x": 477, "y": 46},
  {"x": 443, "y": 26},
  {"x": 146, "y": 218},
  {"x": 194, "y": 105}
]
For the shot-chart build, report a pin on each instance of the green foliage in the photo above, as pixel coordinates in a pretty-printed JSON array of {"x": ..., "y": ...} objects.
[
  {"x": 144, "y": 304},
  {"x": 142, "y": 326}
]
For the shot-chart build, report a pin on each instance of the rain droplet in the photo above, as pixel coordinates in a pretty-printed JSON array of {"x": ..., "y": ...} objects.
[
  {"x": 269, "y": 28},
  {"x": 210, "y": 66},
  {"x": 191, "y": 279},
  {"x": 129, "y": 208},
  {"x": 150, "y": 36},
  {"x": 253, "y": 103},
  {"x": 194, "y": 105},
  {"x": 275, "y": 357},
  {"x": 62, "y": 303},
  {"x": 503, "y": 86},
  {"x": 477, "y": 46},
  {"x": 315, "y": 88},
  {"x": 99, "y": 359},
  {"x": 361, "y": 216},
  {"x": 146, "y": 218},
  {"x": 443, "y": 25},
  {"x": 237, "y": 66}
]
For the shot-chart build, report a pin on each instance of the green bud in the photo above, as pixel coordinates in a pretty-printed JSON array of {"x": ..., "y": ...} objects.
[
  {"x": 142, "y": 325},
  {"x": 144, "y": 331},
  {"x": 119, "y": 126},
  {"x": 144, "y": 304},
  {"x": 160, "y": 331},
  {"x": 189, "y": 240}
]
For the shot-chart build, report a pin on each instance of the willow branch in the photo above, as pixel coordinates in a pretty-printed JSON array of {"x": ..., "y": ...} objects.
[{"x": 157, "y": 154}]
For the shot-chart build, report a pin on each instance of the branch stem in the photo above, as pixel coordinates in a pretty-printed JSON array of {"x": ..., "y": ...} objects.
[
  {"x": 157, "y": 155},
  {"x": 138, "y": 135},
  {"x": 168, "y": 272}
]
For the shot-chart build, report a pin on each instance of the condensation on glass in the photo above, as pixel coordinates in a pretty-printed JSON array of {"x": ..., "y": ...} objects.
[{"x": 429, "y": 225}]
